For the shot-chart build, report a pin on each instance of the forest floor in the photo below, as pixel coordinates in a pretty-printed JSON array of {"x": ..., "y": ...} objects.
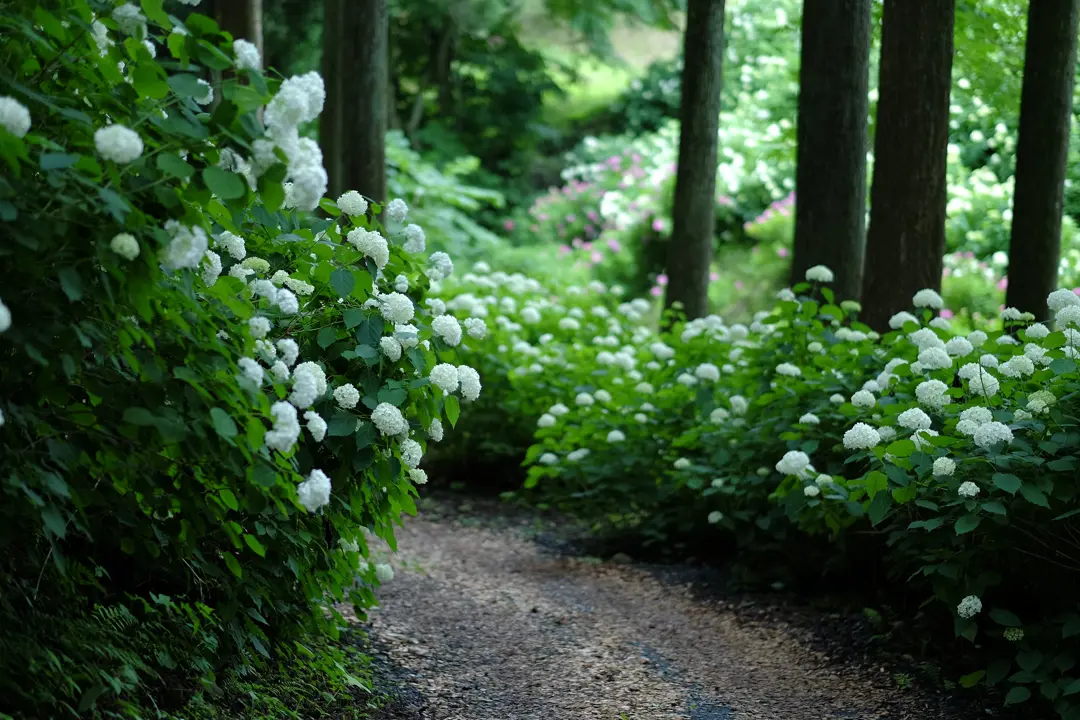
[{"x": 491, "y": 616}]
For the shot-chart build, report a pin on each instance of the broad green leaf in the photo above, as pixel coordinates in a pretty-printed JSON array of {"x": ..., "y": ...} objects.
[
  {"x": 226, "y": 185},
  {"x": 54, "y": 522},
  {"x": 874, "y": 482},
  {"x": 233, "y": 564},
  {"x": 1004, "y": 617},
  {"x": 223, "y": 424},
  {"x": 342, "y": 281},
  {"x": 229, "y": 499},
  {"x": 1063, "y": 366},
  {"x": 879, "y": 507},
  {"x": 139, "y": 416},
  {"x": 452, "y": 408},
  {"x": 255, "y": 545},
  {"x": 71, "y": 283},
  {"x": 149, "y": 79},
  {"x": 172, "y": 164},
  {"x": 326, "y": 337},
  {"x": 1034, "y": 496},
  {"x": 1008, "y": 483},
  {"x": 155, "y": 13},
  {"x": 972, "y": 679},
  {"x": 967, "y": 523},
  {"x": 901, "y": 448},
  {"x": 57, "y": 161},
  {"x": 352, "y": 317},
  {"x": 995, "y": 507}
]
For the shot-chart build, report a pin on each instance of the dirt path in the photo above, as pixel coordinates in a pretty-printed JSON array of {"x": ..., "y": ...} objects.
[{"x": 487, "y": 625}]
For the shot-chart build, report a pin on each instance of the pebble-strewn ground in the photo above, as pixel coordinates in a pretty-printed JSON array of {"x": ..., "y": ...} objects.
[{"x": 484, "y": 624}]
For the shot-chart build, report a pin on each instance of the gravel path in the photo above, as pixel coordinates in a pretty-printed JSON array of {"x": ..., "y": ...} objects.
[{"x": 486, "y": 625}]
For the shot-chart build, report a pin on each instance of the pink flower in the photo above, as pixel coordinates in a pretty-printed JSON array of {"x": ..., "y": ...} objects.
[
  {"x": 586, "y": 246},
  {"x": 1076, "y": 291},
  {"x": 657, "y": 291},
  {"x": 783, "y": 252},
  {"x": 714, "y": 276},
  {"x": 571, "y": 218},
  {"x": 946, "y": 272},
  {"x": 509, "y": 224},
  {"x": 593, "y": 216},
  {"x": 543, "y": 217},
  {"x": 534, "y": 228},
  {"x": 661, "y": 279},
  {"x": 564, "y": 249},
  {"x": 637, "y": 158},
  {"x": 946, "y": 313},
  {"x": 969, "y": 255},
  {"x": 576, "y": 242},
  {"x": 597, "y": 256},
  {"x": 658, "y": 225},
  {"x": 738, "y": 284},
  {"x": 614, "y": 245},
  {"x": 725, "y": 201},
  {"x": 589, "y": 229},
  {"x": 1003, "y": 283}
]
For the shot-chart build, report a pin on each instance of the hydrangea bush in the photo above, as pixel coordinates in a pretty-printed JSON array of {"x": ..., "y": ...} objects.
[{"x": 212, "y": 397}]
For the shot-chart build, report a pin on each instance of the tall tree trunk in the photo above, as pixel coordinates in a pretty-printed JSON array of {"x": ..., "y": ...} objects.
[
  {"x": 330, "y": 120},
  {"x": 1041, "y": 153},
  {"x": 690, "y": 246},
  {"x": 830, "y": 179},
  {"x": 243, "y": 19},
  {"x": 906, "y": 239},
  {"x": 365, "y": 75}
]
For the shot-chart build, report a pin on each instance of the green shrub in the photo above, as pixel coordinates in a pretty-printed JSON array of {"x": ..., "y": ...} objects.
[{"x": 165, "y": 518}]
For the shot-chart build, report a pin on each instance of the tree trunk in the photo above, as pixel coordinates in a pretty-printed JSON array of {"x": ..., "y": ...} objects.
[
  {"x": 243, "y": 19},
  {"x": 330, "y": 120},
  {"x": 906, "y": 239},
  {"x": 365, "y": 76},
  {"x": 830, "y": 179},
  {"x": 690, "y": 246},
  {"x": 1041, "y": 153}
]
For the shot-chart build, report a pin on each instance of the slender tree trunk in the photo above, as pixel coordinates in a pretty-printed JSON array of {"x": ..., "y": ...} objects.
[
  {"x": 330, "y": 120},
  {"x": 365, "y": 76},
  {"x": 830, "y": 180},
  {"x": 1041, "y": 153},
  {"x": 243, "y": 19},
  {"x": 906, "y": 239},
  {"x": 690, "y": 246}
]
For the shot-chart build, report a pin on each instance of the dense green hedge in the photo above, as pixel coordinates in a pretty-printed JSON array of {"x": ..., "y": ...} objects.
[{"x": 211, "y": 397}]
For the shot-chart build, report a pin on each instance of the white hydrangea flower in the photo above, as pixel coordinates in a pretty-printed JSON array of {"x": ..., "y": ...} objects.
[
  {"x": 977, "y": 338},
  {"x": 784, "y": 295},
  {"x": 819, "y": 273},
  {"x": 391, "y": 348},
  {"x": 289, "y": 350},
  {"x": 1010, "y": 314},
  {"x": 682, "y": 464},
  {"x": 208, "y": 93},
  {"x": 887, "y": 433},
  {"x": 967, "y": 489},
  {"x": 418, "y": 476},
  {"x": 809, "y": 419},
  {"x": 546, "y": 420},
  {"x": 384, "y": 573},
  {"x": 252, "y": 371},
  {"x": 476, "y": 328},
  {"x": 371, "y": 244},
  {"x": 941, "y": 324},
  {"x": 863, "y": 399},
  {"x": 309, "y": 384},
  {"x": 958, "y": 347},
  {"x": 211, "y": 270},
  {"x": 602, "y": 396},
  {"x": 123, "y": 244},
  {"x": 944, "y": 467},
  {"x": 932, "y": 394},
  {"x": 811, "y": 491},
  {"x": 100, "y": 33},
  {"x": 396, "y": 209},
  {"x": 282, "y": 436},
  {"x": 411, "y": 453},
  {"x": 314, "y": 492},
  {"x": 445, "y": 377},
  {"x": 1037, "y": 331},
  {"x": 794, "y": 462},
  {"x": 616, "y": 436},
  {"x": 352, "y": 204},
  {"x": 897, "y": 321},
  {"x": 435, "y": 430},
  {"x": 788, "y": 369},
  {"x": 447, "y": 328},
  {"x": 280, "y": 372},
  {"x": 928, "y": 298},
  {"x": 969, "y": 607},
  {"x": 738, "y": 403},
  {"x": 991, "y": 433},
  {"x": 259, "y": 326},
  {"x": 389, "y": 420},
  {"x": 14, "y": 116},
  {"x": 583, "y": 399},
  {"x": 247, "y": 55},
  {"x": 1017, "y": 366},
  {"x": 415, "y": 240},
  {"x": 984, "y": 384},
  {"x": 187, "y": 247},
  {"x": 926, "y": 338},
  {"x": 347, "y": 396},
  {"x": 837, "y": 399},
  {"x": 396, "y": 308},
  {"x": 558, "y": 409},
  {"x": 130, "y": 20},
  {"x": 548, "y": 459},
  {"x": 441, "y": 266},
  {"x": 914, "y": 419},
  {"x": 715, "y": 516},
  {"x": 401, "y": 284},
  {"x": 470, "y": 382},
  {"x": 1061, "y": 299},
  {"x": 118, "y": 144},
  {"x": 935, "y": 358},
  {"x": 861, "y": 437}
]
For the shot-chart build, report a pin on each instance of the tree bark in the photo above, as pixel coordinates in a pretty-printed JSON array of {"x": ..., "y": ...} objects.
[
  {"x": 243, "y": 19},
  {"x": 330, "y": 121},
  {"x": 690, "y": 246},
  {"x": 906, "y": 239},
  {"x": 365, "y": 76},
  {"x": 1041, "y": 153},
  {"x": 830, "y": 178}
]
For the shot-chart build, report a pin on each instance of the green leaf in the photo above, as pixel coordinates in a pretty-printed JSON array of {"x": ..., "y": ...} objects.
[
  {"x": 353, "y": 317},
  {"x": 879, "y": 507},
  {"x": 1008, "y": 483},
  {"x": 149, "y": 79},
  {"x": 326, "y": 337},
  {"x": 233, "y": 564},
  {"x": 223, "y": 424},
  {"x": 57, "y": 161},
  {"x": 394, "y": 396},
  {"x": 1029, "y": 660},
  {"x": 1072, "y": 688},
  {"x": 1071, "y": 627},
  {"x": 901, "y": 448},
  {"x": 1017, "y": 695},
  {"x": 972, "y": 679},
  {"x": 155, "y": 13},
  {"x": 255, "y": 545},
  {"x": 875, "y": 482},
  {"x": 967, "y": 523},
  {"x": 342, "y": 281},
  {"x": 172, "y": 165},
  {"x": 1034, "y": 496},
  {"x": 452, "y": 408},
  {"x": 139, "y": 416},
  {"x": 1004, "y": 617},
  {"x": 226, "y": 185},
  {"x": 54, "y": 522},
  {"x": 1063, "y": 366},
  {"x": 229, "y": 498},
  {"x": 71, "y": 284},
  {"x": 341, "y": 425},
  {"x": 995, "y": 507}
]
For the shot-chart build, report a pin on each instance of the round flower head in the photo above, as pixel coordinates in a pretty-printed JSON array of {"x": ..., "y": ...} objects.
[
  {"x": 932, "y": 394},
  {"x": 435, "y": 430},
  {"x": 1061, "y": 299},
  {"x": 788, "y": 369},
  {"x": 118, "y": 144},
  {"x": 187, "y": 248},
  {"x": 583, "y": 399},
  {"x": 1038, "y": 331},
  {"x": 602, "y": 396},
  {"x": 935, "y": 358},
  {"x": 14, "y": 117},
  {"x": 470, "y": 382},
  {"x": 992, "y": 433},
  {"x": 315, "y": 425},
  {"x": 411, "y": 453},
  {"x": 396, "y": 308},
  {"x": 546, "y": 420},
  {"x": 347, "y": 396},
  {"x": 861, "y": 437},
  {"x": 415, "y": 240},
  {"x": 283, "y": 435},
  {"x": 247, "y": 55},
  {"x": 914, "y": 419},
  {"x": 548, "y": 459},
  {"x": 819, "y": 273},
  {"x": 130, "y": 19},
  {"x": 682, "y": 464},
  {"x": 715, "y": 516},
  {"x": 389, "y": 420},
  {"x": 558, "y": 409},
  {"x": 476, "y": 328},
  {"x": 396, "y": 209},
  {"x": 794, "y": 462},
  {"x": 314, "y": 492},
  {"x": 418, "y": 476},
  {"x": 125, "y": 245},
  {"x": 384, "y": 573},
  {"x": 958, "y": 347},
  {"x": 615, "y": 436},
  {"x": 575, "y": 455},
  {"x": 785, "y": 295},
  {"x": 441, "y": 265},
  {"x": 926, "y": 338},
  {"x": 863, "y": 399},
  {"x": 968, "y": 489},
  {"x": 1013, "y": 634},
  {"x": 447, "y": 328},
  {"x": 807, "y": 419},
  {"x": 977, "y": 338},
  {"x": 897, "y": 321},
  {"x": 969, "y": 607},
  {"x": 352, "y": 204},
  {"x": 811, "y": 491},
  {"x": 259, "y": 326},
  {"x": 372, "y": 244},
  {"x": 944, "y": 467},
  {"x": 837, "y": 399},
  {"x": 1017, "y": 366},
  {"x": 391, "y": 348},
  {"x": 928, "y": 298},
  {"x": 252, "y": 372},
  {"x": 445, "y": 377},
  {"x": 289, "y": 350}
]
